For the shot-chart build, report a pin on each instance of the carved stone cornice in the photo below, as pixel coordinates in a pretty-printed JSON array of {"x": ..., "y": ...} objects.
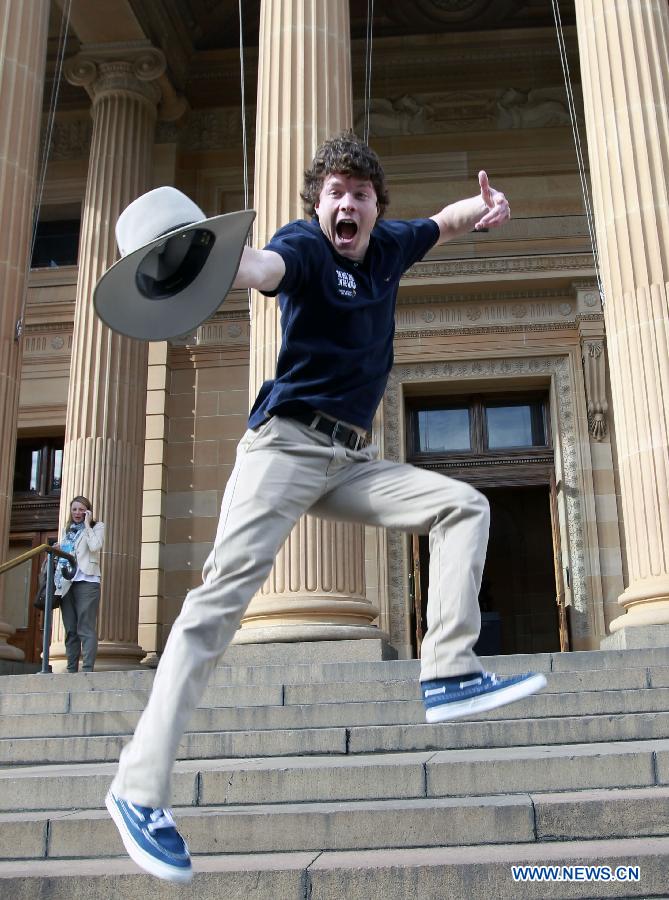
[
  {"x": 433, "y": 57},
  {"x": 493, "y": 314},
  {"x": 451, "y": 13},
  {"x": 493, "y": 296},
  {"x": 500, "y": 265}
]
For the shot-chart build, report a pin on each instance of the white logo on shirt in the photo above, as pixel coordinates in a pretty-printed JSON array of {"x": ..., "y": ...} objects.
[{"x": 346, "y": 284}]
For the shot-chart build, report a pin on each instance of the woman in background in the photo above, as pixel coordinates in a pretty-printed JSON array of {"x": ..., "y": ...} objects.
[{"x": 80, "y": 590}]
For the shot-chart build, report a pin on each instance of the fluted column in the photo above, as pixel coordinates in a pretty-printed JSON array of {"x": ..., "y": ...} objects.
[
  {"x": 23, "y": 36},
  {"x": 624, "y": 49},
  {"x": 317, "y": 587},
  {"x": 105, "y": 430}
]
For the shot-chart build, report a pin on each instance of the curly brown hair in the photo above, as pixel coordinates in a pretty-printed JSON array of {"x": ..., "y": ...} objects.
[{"x": 345, "y": 154}]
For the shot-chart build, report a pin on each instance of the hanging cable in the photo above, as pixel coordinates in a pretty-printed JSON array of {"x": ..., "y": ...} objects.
[
  {"x": 587, "y": 201},
  {"x": 46, "y": 149},
  {"x": 368, "y": 68},
  {"x": 244, "y": 135},
  {"x": 243, "y": 95}
]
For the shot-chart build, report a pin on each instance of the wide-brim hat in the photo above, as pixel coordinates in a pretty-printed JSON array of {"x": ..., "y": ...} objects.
[{"x": 176, "y": 269}]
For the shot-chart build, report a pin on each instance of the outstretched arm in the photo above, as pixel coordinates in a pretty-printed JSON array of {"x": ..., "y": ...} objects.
[
  {"x": 489, "y": 209},
  {"x": 259, "y": 269}
]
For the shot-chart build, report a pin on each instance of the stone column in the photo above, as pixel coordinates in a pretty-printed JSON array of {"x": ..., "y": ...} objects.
[
  {"x": 317, "y": 587},
  {"x": 623, "y": 50},
  {"x": 106, "y": 407},
  {"x": 23, "y": 36}
]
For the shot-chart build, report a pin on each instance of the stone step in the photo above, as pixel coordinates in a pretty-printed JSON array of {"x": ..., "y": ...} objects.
[
  {"x": 462, "y": 873},
  {"x": 348, "y": 739},
  {"x": 101, "y": 700},
  {"x": 459, "y": 873},
  {"x": 323, "y": 672},
  {"x": 299, "y": 779},
  {"x": 362, "y": 825},
  {"x": 328, "y": 715},
  {"x": 507, "y": 733}
]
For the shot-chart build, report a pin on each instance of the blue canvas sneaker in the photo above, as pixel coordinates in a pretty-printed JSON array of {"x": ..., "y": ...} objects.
[
  {"x": 453, "y": 698},
  {"x": 151, "y": 839}
]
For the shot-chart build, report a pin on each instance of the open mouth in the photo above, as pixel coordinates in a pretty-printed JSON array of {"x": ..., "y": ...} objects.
[{"x": 346, "y": 229}]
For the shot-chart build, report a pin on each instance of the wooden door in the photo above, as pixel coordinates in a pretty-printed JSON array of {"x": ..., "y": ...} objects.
[
  {"x": 20, "y": 586},
  {"x": 560, "y": 597},
  {"x": 416, "y": 591}
]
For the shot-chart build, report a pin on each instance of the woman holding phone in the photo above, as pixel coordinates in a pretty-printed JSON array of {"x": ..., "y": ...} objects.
[{"x": 80, "y": 589}]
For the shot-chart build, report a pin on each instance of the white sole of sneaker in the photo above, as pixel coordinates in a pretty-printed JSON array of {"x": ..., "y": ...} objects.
[
  {"x": 143, "y": 859},
  {"x": 458, "y": 709}
]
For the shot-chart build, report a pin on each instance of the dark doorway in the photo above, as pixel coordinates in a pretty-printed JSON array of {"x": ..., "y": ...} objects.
[{"x": 518, "y": 593}]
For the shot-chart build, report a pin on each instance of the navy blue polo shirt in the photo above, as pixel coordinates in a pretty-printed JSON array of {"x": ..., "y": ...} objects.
[{"x": 338, "y": 320}]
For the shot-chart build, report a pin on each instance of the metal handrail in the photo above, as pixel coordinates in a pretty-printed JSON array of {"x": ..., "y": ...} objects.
[
  {"x": 51, "y": 551},
  {"x": 55, "y": 551}
]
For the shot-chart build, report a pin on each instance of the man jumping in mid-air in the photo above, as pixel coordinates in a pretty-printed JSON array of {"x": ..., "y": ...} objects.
[{"x": 307, "y": 450}]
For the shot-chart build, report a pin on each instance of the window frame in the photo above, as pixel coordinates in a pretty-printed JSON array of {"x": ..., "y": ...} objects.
[
  {"x": 480, "y": 454},
  {"x": 47, "y": 449}
]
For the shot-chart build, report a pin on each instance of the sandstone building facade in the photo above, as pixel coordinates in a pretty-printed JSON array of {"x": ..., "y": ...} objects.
[{"x": 509, "y": 370}]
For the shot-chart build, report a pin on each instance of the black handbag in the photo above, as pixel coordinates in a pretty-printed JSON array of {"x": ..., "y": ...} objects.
[{"x": 40, "y": 597}]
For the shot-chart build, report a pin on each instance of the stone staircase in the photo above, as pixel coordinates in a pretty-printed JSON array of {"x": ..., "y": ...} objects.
[{"x": 306, "y": 778}]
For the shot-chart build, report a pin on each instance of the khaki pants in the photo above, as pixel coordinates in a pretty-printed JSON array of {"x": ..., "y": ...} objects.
[{"x": 283, "y": 470}]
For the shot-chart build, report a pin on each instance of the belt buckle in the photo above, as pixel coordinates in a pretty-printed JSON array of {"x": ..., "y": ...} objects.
[
  {"x": 352, "y": 440},
  {"x": 337, "y": 427}
]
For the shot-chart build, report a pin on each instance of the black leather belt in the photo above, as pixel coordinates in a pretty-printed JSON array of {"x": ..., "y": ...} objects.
[{"x": 339, "y": 432}]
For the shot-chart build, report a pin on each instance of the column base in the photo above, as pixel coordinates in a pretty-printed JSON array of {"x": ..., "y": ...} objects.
[
  {"x": 642, "y": 615},
  {"x": 112, "y": 657},
  {"x": 646, "y": 602},
  {"x": 636, "y": 637},
  {"x": 14, "y": 667},
  {"x": 291, "y": 633},
  {"x": 8, "y": 651},
  {"x": 369, "y": 650}
]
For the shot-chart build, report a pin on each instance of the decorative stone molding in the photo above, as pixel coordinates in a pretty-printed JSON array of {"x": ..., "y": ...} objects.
[
  {"x": 557, "y": 369},
  {"x": 403, "y": 115},
  {"x": 48, "y": 341},
  {"x": 215, "y": 129},
  {"x": 451, "y": 13},
  {"x": 232, "y": 331},
  {"x": 490, "y": 313},
  {"x": 390, "y": 59},
  {"x": 429, "y": 113},
  {"x": 594, "y": 370},
  {"x": 120, "y": 68},
  {"x": 588, "y": 300},
  {"x": 493, "y": 296},
  {"x": 70, "y": 139},
  {"x": 136, "y": 67},
  {"x": 457, "y": 111},
  {"x": 500, "y": 265},
  {"x": 539, "y": 108}
]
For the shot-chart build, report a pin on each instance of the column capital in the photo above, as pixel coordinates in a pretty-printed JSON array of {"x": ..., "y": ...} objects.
[{"x": 135, "y": 67}]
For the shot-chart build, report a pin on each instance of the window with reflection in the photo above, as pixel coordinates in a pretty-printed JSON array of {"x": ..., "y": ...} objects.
[
  {"x": 38, "y": 468},
  {"x": 514, "y": 425},
  {"x": 443, "y": 430},
  {"x": 478, "y": 426}
]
